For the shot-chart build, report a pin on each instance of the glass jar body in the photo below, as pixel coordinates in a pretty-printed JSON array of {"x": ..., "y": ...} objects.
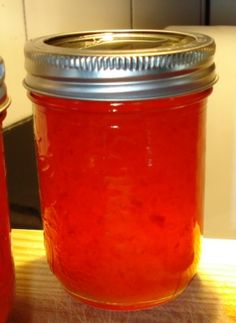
[
  {"x": 122, "y": 188},
  {"x": 6, "y": 262}
]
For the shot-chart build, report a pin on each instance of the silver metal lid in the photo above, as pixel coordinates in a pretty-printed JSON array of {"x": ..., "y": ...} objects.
[
  {"x": 3, "y": 90},
  {"x": 120, "y": 64}
]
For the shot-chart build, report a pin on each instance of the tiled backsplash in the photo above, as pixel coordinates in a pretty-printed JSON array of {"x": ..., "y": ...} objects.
[
  {"x": 53, "y": 16},
  {"x": 159, "y": 13},
  {"x": 22, "y": 19},
  {"x": 222, "y": 12}
]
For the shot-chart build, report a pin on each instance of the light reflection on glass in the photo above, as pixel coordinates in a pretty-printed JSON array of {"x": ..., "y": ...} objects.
[
  {"x": 114, "y": 127},
  {"x": 107, "y": 37}
]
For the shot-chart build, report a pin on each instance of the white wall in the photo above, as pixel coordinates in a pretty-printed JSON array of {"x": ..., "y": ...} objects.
[
  {"x": 12, "y": 38},
  {"x": 220, "y": 205}
]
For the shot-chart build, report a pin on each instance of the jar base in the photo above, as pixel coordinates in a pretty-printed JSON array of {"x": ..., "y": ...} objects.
[{"x": 126, "y": 307}]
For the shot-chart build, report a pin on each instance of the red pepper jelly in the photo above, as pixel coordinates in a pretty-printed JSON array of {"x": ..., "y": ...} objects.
[
  {"x": 119, "y": 121},
  {"x": 6, "y": 263}
]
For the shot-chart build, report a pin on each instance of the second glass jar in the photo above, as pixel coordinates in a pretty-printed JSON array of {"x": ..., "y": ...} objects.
[{"x": 7, "y": 280}]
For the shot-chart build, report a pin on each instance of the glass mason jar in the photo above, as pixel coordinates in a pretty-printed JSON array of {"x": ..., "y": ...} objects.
[
  {"x": 6, "y": 263},
  {"x": 119, "y": 121}
]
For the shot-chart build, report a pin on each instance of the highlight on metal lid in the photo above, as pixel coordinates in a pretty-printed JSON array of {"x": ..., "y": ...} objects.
[
  {"x": 120, "y": 64},
  {"x": 2, "y": 75},
  {"x": 4, "y": 100}
]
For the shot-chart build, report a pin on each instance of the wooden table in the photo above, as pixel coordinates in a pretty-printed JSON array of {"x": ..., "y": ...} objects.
[{"x": 211, "y": 296}]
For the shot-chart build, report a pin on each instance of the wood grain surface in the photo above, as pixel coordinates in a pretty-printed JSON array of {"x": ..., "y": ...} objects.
[{"x": 40, "y": 298}]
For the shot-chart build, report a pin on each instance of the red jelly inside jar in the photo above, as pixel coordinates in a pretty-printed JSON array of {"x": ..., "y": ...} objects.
[
  {"x": 6, "y": 263},
  {"x": 122, "y": 195},
  {"x": 119, "y": 121}
]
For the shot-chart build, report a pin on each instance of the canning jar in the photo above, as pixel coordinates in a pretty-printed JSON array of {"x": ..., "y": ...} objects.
[
  {"x": 119, "y": 122},
  {"x": 6, "y": 263}
]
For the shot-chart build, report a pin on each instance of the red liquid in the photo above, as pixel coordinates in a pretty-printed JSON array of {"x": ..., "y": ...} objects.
[
  {"x": 6, "y": 264},
  {"x": 122, "y": 195}
]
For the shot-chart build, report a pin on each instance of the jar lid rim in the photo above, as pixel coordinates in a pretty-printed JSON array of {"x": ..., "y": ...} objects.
[
  {"x": 62, "y": 64},
  {"x": 3, "y": 90}
]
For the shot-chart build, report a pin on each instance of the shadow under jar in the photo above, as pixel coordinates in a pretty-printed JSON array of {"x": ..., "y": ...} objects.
[
  {"x": 6, "y": 262},
  {"x": 119, "y": 121}
]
